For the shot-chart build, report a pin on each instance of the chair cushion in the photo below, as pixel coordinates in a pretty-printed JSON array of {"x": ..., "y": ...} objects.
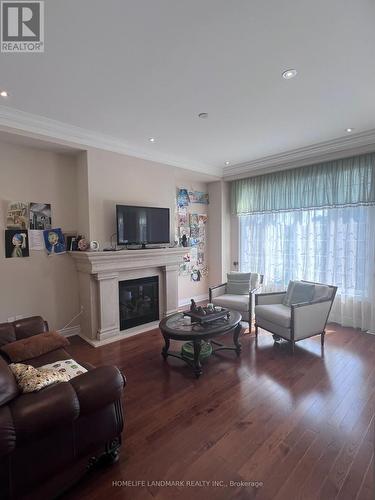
[
  {"x": 298, "y": 292},
  {"x": 275, "y": 313},
  {"x": 322, "y": 292},
  {"x": 238, "y": 283},
  {"x": 232, "y": 301}
]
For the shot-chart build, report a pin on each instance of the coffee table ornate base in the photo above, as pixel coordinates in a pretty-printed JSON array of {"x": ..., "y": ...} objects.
[{"x": 204, "y": 334}]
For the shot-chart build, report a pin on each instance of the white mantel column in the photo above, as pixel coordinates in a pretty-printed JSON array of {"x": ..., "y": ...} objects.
[
  {"x": 108, "y": 298},
  {"x": 171, "y": 288}
]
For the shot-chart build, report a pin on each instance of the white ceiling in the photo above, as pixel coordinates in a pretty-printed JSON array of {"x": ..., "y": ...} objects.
[{"x": 134, "y": 69}]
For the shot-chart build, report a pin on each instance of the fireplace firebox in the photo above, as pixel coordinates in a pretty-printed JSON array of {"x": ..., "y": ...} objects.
[{"x": 139, "y": 301}]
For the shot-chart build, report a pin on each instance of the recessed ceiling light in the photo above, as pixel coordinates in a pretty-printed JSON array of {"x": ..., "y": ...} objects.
[
  {"x": 349, "y": 130},
  {"x": 203, "y": 115},
  {"x": 152, "y": 139},
  {"x": 289, "y": 73},
  {"x": 4, "y": 93},
  {"x": 227, "y": 163}
]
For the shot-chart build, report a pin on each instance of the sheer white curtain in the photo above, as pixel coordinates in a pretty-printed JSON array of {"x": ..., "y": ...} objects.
[{"x": 333, "y": 246}]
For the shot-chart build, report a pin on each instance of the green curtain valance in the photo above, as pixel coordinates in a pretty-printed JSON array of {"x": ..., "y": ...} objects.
[{"x": 350, "y": 181}]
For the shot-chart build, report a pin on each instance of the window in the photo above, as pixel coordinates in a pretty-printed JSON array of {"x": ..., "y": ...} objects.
[{"x": 330, "y": 245}]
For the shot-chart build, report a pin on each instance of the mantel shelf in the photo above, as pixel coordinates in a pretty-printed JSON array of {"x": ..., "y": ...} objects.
[{"x": 94, "y": 262}]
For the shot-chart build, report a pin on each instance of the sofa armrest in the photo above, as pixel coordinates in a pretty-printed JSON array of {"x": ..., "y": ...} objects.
[
  {"x": 262, "y": 299},
  {"x": 310, "y": 318},
  {"x": 99, "y": 387},
  {"x": 38, "y": 412},
  {"x": 7, "y": 432},
  {"x": 216, "y": 291}
]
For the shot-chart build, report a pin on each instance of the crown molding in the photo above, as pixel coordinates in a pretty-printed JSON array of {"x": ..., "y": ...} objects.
[
  {"x": 80, "y": 138},
  {"x": 362, "y": 142}
]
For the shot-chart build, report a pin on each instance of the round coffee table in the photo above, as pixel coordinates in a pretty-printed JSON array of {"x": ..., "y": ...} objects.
[{"x": 173, "y": 327}]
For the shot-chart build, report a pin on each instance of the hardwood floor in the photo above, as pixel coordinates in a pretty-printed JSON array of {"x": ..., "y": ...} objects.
[{"x": 301, "y": 425}]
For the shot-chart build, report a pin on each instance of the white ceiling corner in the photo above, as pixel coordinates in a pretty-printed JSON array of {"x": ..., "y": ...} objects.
[
  {"x": 55, "y": 130},
  {"x": 135, "y": 70},
  {"x": 341, "y": 147}
]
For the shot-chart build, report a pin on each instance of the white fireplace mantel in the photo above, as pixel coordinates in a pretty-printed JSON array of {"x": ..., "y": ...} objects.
[{"x": 99, "y": 274}]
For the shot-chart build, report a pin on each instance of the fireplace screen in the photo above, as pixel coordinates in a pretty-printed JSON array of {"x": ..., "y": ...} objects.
[{"x": 139, "y": 301}]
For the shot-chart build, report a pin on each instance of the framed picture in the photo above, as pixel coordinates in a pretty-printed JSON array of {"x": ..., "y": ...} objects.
[
  {"x": 16, "y": 243},
  {"x": 17, "y": 215},
  {"x": 40, "y": 216},
  {"x": 198, "y": 197},
  {"x": 54, "y": 241},
  {"x": 182, "y": 197}
]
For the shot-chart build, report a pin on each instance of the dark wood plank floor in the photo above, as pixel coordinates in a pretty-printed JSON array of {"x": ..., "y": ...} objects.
[{"x": 302, "y": 425}]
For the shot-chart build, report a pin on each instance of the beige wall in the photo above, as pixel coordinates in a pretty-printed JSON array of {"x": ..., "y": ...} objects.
[
  {"x": 219, "y": 232},
  {"x": 83, "y": 191},
  {"x": 115, "y": 178},
  {"x": 38, "y": 284}
]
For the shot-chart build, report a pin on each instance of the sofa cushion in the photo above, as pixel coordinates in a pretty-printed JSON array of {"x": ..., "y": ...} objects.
[
  {"x": 8, "y": 384},
  {"x": 48, "y": 357},
  {"x": 32, "y": 347},
  {"x": 238, "y": 283},
  {"x": 275, "y": 313},
  {"x": 27, "y": 327},
  {"x": 232, "y": 301},
  {"x": 298, "y": 292},
  {"x": 7, "y": 333}
]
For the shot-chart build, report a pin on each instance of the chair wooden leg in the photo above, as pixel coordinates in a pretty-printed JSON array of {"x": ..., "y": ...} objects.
[
  {"x": 293, "y": 346},
  {"x": 322, "y": 338},
  {"x": 256, "y": 330}
]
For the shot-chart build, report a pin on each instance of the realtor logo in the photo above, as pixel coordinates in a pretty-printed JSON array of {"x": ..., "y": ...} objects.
[{"x": 22, "y": 26}]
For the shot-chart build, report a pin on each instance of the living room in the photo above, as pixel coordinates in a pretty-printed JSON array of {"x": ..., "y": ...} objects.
[{"x": 187, "y": 217}]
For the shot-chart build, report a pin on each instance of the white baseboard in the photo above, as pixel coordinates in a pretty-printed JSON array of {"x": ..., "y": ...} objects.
[
  {"x": 370, "y": 332},
  {"x": 70, "y": 331},
  {"x": 197, "y": 298}
]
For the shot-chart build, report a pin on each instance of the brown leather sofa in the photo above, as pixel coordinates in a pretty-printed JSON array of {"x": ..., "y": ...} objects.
[{"x": 49, "y": 438}]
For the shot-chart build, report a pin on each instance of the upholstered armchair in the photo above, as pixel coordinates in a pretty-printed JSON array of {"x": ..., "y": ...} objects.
[
  {"x": 237, "y": 293},
  {"x": 296, "y": 314}
]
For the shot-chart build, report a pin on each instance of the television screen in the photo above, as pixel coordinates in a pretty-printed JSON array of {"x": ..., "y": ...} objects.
[{"x": 142, "y": 225}]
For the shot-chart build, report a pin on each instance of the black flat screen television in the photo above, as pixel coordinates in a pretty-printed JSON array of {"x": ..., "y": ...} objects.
[{"x": 142, "y": 225}]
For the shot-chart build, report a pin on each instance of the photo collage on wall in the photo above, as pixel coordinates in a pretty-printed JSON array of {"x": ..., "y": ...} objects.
[
  {"x": 191, "y": 233},
  {"x": 29, "y": 227}
]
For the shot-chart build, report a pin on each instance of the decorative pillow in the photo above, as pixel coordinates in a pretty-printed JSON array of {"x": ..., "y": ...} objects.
[
  {"x": 32, "y": 347},
  {"x": 238, "y": 283},
  {"x": 30, "y": 379},
  {"x": 288, "y": 295},
  {"x": 298, "y": 292},
  {"x": 67, "y": 366}
]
